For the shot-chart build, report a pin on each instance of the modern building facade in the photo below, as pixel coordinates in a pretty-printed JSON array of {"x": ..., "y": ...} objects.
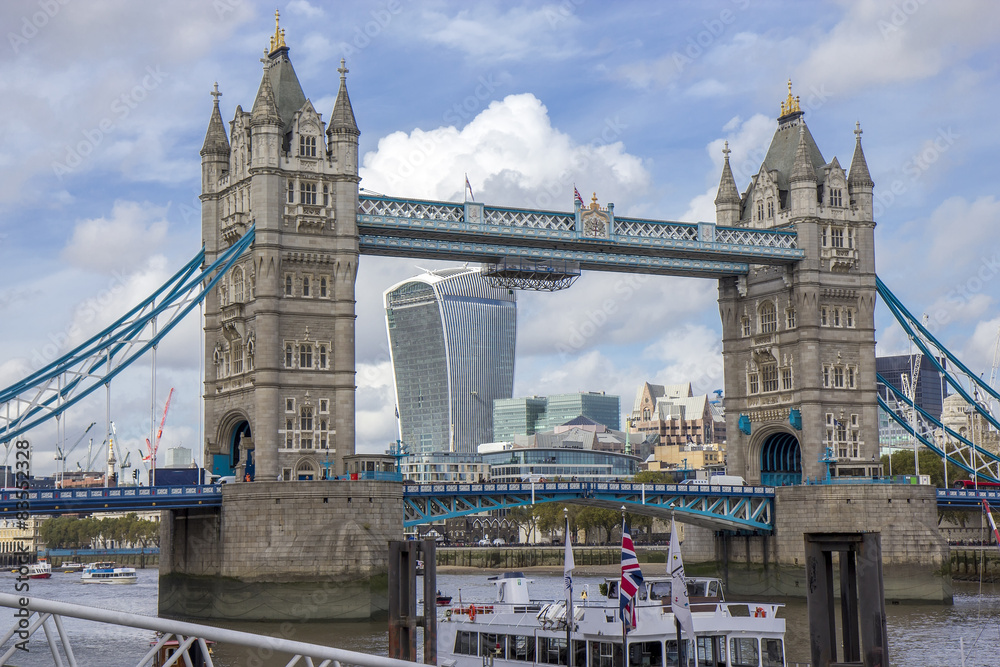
[
  {"x": 279, "y": 327},
  {"x": 550, "y": 464},
  {"x": 178, "y": 457},
  {"x": 602, "y": 408},
  {"x": 451, "y": 341},
  {"x": 931, "y": 387},
  {"x": 518, "y": 416},
  {"x": 530, "y": 415},
  {"x": 798, "y": 341}
]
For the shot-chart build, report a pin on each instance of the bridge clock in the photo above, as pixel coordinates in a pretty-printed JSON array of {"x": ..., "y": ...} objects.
[{"x": 595, "y": 225}]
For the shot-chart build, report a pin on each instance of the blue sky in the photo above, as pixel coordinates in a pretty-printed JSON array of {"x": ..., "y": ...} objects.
[{"x": 106, "y": 105}]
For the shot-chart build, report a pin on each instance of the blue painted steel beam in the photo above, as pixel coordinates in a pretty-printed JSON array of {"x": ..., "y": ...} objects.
[
  {"x": 711, "y": 506},
  {"x": 458, "y": 249},
  {"x": 119, "y": 499},
  {"x": 477, "y": 232},
  {"x": 952, "y": 498}
]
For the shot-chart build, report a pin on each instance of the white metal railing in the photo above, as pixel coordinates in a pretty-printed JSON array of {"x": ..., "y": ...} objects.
[{"x": 44, "y": 614}]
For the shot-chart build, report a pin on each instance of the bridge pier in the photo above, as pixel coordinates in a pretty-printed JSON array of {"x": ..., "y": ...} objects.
[
  {"x": 915, "y": 553},
  {"x": 282, "y": 551}
]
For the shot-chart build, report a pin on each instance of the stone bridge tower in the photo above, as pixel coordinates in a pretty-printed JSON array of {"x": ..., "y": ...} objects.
[
  {"x": 799, "y": 341},
  {"x": 279, "y": 329}
]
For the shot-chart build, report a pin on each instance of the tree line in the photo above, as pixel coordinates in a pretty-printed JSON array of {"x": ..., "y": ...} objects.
[
  {"x": 599, "y": 524},
  {"x": 66, "y": 532}
]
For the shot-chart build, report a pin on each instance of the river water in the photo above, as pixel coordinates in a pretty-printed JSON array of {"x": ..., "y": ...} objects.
[{"x": 919, "y": 635}]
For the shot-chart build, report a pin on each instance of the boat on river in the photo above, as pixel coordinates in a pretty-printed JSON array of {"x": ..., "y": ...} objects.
[
  {"x": 514, "y": 630},
  {"x": 105, "y": 572},
  {"x": 40, "y": 570}
]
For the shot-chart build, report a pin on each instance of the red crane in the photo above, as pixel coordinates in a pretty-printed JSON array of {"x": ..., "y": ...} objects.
[{"x": 151, "y": 449}]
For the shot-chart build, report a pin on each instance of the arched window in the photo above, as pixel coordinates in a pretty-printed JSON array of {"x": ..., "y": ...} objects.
[
  {"x": 768, "y": 317},
  {"x": 237, "y": 285}
]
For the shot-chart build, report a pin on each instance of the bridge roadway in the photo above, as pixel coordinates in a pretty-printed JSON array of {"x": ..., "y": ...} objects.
[
  {"x": 711, "y": 506},
  {"x": 476, "y": 232}
]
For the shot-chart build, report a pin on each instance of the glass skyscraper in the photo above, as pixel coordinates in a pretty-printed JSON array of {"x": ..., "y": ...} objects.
[{"x": 451, "y": 341}]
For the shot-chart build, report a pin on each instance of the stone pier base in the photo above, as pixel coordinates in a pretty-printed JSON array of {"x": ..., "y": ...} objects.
[
  {"x": 282, "y": 551},
  {"x": 915, "y": 554}
]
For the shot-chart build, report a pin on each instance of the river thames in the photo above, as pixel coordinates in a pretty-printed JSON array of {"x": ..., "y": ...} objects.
[{"x": 919, "y": 635}]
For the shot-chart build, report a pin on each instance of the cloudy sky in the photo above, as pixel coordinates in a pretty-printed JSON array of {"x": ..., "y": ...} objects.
[{"x": 106, "y": 103}]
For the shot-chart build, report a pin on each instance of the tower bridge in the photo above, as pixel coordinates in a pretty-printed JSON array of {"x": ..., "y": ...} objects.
[{"x": 283, "y": 227}]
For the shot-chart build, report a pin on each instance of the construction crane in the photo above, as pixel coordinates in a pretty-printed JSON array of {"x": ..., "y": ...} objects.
[
  {"x": 62, "y": 456},
  {"x": 151, "y": 449}
]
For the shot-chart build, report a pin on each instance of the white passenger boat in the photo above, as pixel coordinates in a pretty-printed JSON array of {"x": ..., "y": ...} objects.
[
  {"x": 105, "y": 572},
  {"x": 514, "y": 630}
]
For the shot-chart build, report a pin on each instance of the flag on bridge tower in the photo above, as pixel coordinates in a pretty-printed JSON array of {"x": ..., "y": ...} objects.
[
  {"x": 577, "y": 198},
  {"x": 468, "y": 189}
]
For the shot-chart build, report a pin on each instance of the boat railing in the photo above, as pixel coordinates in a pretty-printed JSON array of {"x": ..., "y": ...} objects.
[{"x": 36, "y": 614}]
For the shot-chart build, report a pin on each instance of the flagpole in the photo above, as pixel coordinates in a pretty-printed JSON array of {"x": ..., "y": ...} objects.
[
  {"x": 625, "y": 659},
  {"x": 569, "y": 593}
]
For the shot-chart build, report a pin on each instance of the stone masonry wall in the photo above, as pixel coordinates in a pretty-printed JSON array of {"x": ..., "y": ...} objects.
[{"x": 298, "y": 551}]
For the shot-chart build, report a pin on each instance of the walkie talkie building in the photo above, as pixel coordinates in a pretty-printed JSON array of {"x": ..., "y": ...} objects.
[{"x": 451, "y": 340}]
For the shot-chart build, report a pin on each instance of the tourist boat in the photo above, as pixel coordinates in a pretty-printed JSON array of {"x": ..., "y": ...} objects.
[
  {"x": 40, "y": 570},
  {"x": 514, "y": 630},
  {"x": 70, "y": 568},
  {"x": 194, "y": 655},
  {"x": 105, "y": 572}
]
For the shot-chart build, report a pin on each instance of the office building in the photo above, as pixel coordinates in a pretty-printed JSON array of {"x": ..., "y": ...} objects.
[
  {"x": 931, "y": 387},
  {"x": 451, "y": 341},
  {"x": 676, "y": 416},
  {"x": 529, "y": 415}
]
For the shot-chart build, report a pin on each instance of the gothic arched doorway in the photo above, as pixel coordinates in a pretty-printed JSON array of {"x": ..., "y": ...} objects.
[
  {"x": 780, "y": 460},
  {"x": 239, "y": 431}
]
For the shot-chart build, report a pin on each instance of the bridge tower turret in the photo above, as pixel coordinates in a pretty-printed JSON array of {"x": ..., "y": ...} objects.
[
  {"x": 799, "y": 341},
  {"x": 279, "y": 330}
]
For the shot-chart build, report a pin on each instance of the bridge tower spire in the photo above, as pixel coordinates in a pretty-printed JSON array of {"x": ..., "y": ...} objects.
[
  {"x": 279, "y": 329},
  {"x": 798, "y": 341}
]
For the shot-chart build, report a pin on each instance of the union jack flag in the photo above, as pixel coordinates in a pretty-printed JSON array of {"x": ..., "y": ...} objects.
[
  {"x": 631, "y": 580},
  {"x": 577, "y": 198}
]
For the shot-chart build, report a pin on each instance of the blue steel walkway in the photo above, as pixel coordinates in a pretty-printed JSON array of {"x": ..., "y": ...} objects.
[{"x": 716, "y": 507}]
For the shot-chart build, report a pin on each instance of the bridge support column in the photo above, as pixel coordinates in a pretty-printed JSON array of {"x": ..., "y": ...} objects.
[{"x": 282, "y": 551}]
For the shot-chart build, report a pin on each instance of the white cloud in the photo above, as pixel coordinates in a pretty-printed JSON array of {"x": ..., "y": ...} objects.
[
  {"x": 375, "y": 407},
  {"x": 512, "y": 155},
  {"x": 119, "y": 243},
  {"x": 489, "y": 34},
  {"x": 305, "y": 8},
  {"x": 748, "y": 142},
  {"x": 878, "y": 43}
]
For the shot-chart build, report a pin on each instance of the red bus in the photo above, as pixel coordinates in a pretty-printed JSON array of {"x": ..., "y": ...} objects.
[{"x": 969, "y": 484}]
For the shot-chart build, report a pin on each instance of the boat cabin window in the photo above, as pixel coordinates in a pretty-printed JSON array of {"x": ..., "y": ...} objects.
[
  {"x": 467, "y": 643},
  {"x": 645, "y": 654},
  {"x": 659, "y": 590},
  {"x": 774, "y": 654},
  {"x": 552, "y": 650},
  {"x": 712, "y": 651},
  {"x": 671, "y": 645},
  {"x": 605, "y": 654},
  {"x": 521, "y": 647},
  {"x": 714, "y": 589},
  {"x": 494, "y": 645},
  {"x": 744, "y": 652}
]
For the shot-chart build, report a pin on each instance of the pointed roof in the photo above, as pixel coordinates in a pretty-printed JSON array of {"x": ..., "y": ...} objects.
[
  {"x": 859, "y": 174},
  {"x": 288, "y": 95},
  {"x": 728, "y": 194},
  {"x": 802, "y": 170},
  {"x": 342, "y": 118},
  {"x": 216, "y": 141},
  {"x": 265, "y": 111}
]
